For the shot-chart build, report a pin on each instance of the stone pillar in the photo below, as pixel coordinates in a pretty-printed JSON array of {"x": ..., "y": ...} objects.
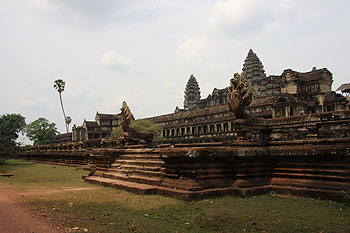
[{"x": 273, "y": 112}]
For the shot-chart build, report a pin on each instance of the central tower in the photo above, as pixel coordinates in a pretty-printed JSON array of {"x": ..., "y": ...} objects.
[
  {"x": 253, "y": 71},
  {"x": 192, "y": 93}
]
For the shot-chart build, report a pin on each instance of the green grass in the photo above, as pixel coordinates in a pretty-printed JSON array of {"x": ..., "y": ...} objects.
[{"x": 60, "y": 193}]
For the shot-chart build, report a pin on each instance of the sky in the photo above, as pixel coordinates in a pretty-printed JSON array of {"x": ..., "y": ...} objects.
[{"x": 144, "y": 51}]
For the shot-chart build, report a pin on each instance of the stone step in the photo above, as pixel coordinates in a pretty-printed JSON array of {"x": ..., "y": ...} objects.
[
  {"x": 215, "y": 176},
  {"x": 313, "y": 184},
  {"x": 153, "y": 163},
  {"x": 127, "y": 167},
  {"x": 133, "y": 178},
  {"x": 311, "y": 176},
  {"x": 145, "y": 189},
  {"x": 139, "y": 156},
  {"x": 344, "y": 172},
  {"x": 320, "y": 165},
  {"x": 120, "y": 184},
  {"x": 138, "y": 172},
  {"x": 200, "y": 171},
  {"x": 200, "y": 194}
]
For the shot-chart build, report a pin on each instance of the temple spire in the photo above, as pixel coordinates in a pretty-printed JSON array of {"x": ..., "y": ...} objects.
[
  {"x": 253, "y": 71},
  {"x": 192, "y": 93}
]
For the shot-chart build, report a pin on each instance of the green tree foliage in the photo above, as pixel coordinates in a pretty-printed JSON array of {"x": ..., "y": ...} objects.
[
  {"x": 142, "y": 126},
  {"x": 41, "y": 131},
  {"x": 10, "y": 127}
]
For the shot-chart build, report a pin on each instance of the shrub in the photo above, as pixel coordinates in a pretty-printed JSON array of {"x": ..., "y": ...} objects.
[
  {"x": 346, "y": 198},
  {"x": 142, "y": 126}
]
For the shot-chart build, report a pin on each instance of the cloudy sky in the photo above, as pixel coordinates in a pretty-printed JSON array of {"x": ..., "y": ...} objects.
[{"x": 144, "y": 52}]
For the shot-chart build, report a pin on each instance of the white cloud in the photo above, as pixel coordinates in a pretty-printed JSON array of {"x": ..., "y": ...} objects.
[
  {"x": 45, "y": 6},
  {"x": 38, "y": 101},
  {"x": 242, "y": 17},
  {"x": 207, "y": 89},
  {"x": 92, "y": 13},
  {"x": 193, "y": 47},
  {"x": 115, "y": 105},
  {"x": 112, "y": 60},
  {"x": 169, "y": 84},
  {"x": 230, "y": 12}
]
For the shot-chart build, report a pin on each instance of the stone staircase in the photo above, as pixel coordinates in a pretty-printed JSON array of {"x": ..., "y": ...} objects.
[
  {"x": 137, "y": 172},
  {"x": 143, "y": 171}
]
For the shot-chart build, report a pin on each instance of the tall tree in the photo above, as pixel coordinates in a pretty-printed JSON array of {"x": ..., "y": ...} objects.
[
  {"x": 59, "y": 85},
  {"x": 41, "y": 131},
  {"x": 68, "y": 120},
  {"x": 10, "y": 127}
]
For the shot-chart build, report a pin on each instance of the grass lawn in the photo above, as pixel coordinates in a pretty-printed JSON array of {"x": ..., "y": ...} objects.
[{"x": 60, "y": 193}]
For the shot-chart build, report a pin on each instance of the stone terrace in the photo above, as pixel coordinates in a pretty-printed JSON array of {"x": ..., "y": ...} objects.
[{"x": 304, "y": 155}]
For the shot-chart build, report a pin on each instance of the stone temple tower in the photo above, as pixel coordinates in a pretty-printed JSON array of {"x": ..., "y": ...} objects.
[
  {"x": 192, "y": 93},
  {"x": 253, "y": 71}
]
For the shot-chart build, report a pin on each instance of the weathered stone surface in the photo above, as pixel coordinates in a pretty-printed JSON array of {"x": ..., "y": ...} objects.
[
  {"x": 253, "y": 70},
  {"x": 130, "y": 134},
  {"x": 239, "y": 96},
  {"x": 274, "y": 155},
  {"x": 192, "y": 93}
]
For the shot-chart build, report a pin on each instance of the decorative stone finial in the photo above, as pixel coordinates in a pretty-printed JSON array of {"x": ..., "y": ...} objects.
[
  {"x": 127, "y": 117},
  {"x": 239, "y": 96},
  {"x": 131, "y": 134}
]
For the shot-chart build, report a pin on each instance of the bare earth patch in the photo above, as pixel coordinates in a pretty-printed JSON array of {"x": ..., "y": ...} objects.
[
  {"x": 58, "y": 191},
  {"x": 16, "y": 217}
]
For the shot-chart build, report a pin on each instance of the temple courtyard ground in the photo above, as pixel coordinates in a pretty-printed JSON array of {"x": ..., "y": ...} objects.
[{"x": 55, "y": 198}]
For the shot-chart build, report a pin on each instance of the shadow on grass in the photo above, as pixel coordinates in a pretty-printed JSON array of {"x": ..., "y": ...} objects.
[{"x": 12, "y": 165}]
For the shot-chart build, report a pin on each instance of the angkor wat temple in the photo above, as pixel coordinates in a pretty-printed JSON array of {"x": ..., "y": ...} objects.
[
  {"x": 288, "y": 134},
  {"x": 204, "y": 120},
  {"x": 290, "y": 94}
]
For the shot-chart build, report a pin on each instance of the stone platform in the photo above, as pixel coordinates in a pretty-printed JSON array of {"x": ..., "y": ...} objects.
[
  {"x": 301, "y": 169},
  {"x": 305, "y": 155}
]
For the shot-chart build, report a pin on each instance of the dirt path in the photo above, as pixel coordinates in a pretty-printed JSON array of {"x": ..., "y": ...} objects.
[{"x": 16, "y": 217}]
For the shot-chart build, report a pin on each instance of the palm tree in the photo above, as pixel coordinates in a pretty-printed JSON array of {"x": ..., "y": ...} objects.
[
  {"x": 59, "y": 85},
  {"x": 68, "y": 120}
]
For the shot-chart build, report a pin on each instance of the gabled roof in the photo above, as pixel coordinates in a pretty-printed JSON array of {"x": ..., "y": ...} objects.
[
  {"x": 343, "y": 87},
  {"x": 107, "y": 116},
  {"x": 91, "y": 124},
  {"x": 309, "y": 76}
]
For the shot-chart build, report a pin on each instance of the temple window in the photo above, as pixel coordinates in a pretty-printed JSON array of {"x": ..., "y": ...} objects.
[
  {"x": 211, "y": 128},
  {"x": 225, "y": 127},
  {"x": 199, "y": 129},
  {"x": 205, "y": 129},
  {"x": 182, "y": 131},
  {"x": 194, "y": 130},
  {"x": 218, "y": 128}
]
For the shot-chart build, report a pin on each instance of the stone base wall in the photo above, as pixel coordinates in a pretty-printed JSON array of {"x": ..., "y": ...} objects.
[
  {"x": 305, "y": 155},
  {"x": 313, "y": 126}
]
